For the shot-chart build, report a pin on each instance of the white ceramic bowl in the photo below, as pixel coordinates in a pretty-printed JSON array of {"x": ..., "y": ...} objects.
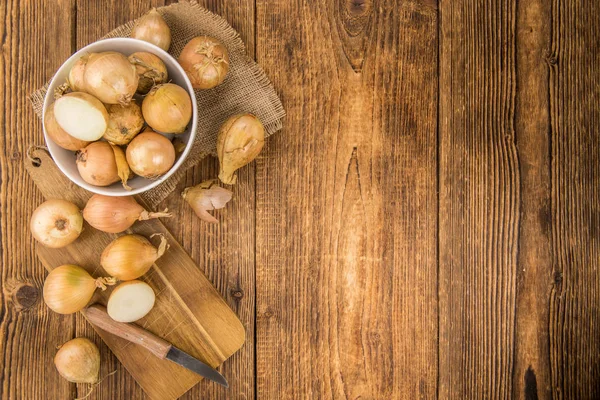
[{"x": 65, "y": 159}]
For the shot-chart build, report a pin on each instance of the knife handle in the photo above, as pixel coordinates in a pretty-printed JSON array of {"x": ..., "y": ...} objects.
[{"x": 98, "y": 316}]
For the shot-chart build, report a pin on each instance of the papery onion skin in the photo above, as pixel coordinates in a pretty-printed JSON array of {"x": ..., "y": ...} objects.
[
  {"x": 69, "y": 288},
  {"x": 75, "y": 79},
  {"x": 110, "y": 77},
  {"x": 206, "y": 196},
  {"x": 240, "y": 140},
  {"x": 124, "y": 122},
  {"x": 205, "y": 60},
  {"x": 151, "y": 70},
  {"x": 167, "y": 108},
  {"x": 97, "y": 165},
  {"x": 116, "y": 214},
  {"x": 152, "y": 28},
  {"x": 150, "y": 155},
  {"x": 56, "y": 223},
  {"x": 130, "y": 256},
  {"x": 78, "y": 361},
  {"x": 58, "y": 134}
]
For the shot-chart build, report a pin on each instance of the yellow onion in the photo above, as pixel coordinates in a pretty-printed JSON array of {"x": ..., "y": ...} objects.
[
  {"x": 152, "y": 28},
  {"x": 150, "y": 154},
  {"x": 205, "y": 60},
  {"x": 131, "y": 256},
  {"x": 116, "y": 214},
  {"x": 206, "y": 196},
  {"x": 150, "y": 69},
  {"x": 75, "y": 78},
  {"x": 97, "y": 165},
  {"x": 110, "y": 77},
  {"x": 69, "y": 288},
  {"x": 81, "y": 115},
  {"x": 58, "y": 134},
  {"x": 130, "y": 301},
  {"x": 124, "y": 122},
  {"x": 78, "y": 361},
  {"x": 56, "y": 223},
  {"x": 239, "y": 141},
  {"x": 167, "y": 108}
]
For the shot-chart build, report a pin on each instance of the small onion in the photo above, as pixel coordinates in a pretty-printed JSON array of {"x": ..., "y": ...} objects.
[
  {"x": 97, "y": 165},
  {"x": 69, "y": 288},
  {"x": 207, "y": 196},
  {"x": 78, "y": 361},
  {"x": 110, "y": 77},
  {"x": 56, "y": 223},
  {"x": 167, "y": 108},
  {"x": 152, "y": 28},
  {"x": 150, "y": 154},
  {"x": 75, "y": 78},
  {"x": 205, "y": 60},
  {"x": 81, "y": 115},
  {"x": 58, "y": 134},
  {"x": 116, "y": 214},
  {"x": 124, "y": 122},
  {"x": 239, "y": 141},
  {"x": 150, "y": 69},
  {"x": 131, "y": 256}
]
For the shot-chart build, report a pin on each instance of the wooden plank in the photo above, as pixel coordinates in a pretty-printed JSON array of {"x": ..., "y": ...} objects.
[
  {"x": 346, "y": 202},
  {"x": 225, "y": 252},
  {"x": 479, "y": 199},
  {"x": 575, "y": 205},
  {"x": 29, "y": 332},
  {"x": 531, "y": 374}
]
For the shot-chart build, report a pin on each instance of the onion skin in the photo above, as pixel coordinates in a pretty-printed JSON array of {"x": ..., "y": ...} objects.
[
  {"x": 130, "y": 256},
  {"x": 167, "y": 108},
  {"x": 110, "y": 77},
  {"x": 116, "y": 214},
  {"x": 97, "y": 165},
  {"x": 206, "y": 196},
  {"x": 78, "y": 361},
  {"x": 56, "y": 223},
  {"x": 124, "y": 122},
  {"x": 58, "y": 134},
  {"x": 150, "y": 155},
  {"x": 205, "y": 60},
  {"x": 75, "y": 78},
  {"x": 151, "y": 70},
  {"x": 69, "y": 288},
  {"x": 240, "y": 140},
  {"x": 152, "y": 28}
]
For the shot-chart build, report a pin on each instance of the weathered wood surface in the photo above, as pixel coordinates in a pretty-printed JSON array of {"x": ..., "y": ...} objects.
[{"x": 426, "y": 224}]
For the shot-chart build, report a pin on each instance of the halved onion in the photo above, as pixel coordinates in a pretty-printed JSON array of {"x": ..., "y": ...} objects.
[
  {"x": 150, "y": 154},
  {"x": 81, "y": 115},
  {"x": 110, "y": 77},
  {"x": 167, "y": 108},
  {"x": 58, "y": 134}
]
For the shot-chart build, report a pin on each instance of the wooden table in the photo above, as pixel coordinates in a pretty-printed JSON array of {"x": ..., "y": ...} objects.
[{"x": 427, "y": 224}]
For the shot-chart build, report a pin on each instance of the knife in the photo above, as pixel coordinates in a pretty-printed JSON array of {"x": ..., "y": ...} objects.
[{"x": 98, "y": 316}]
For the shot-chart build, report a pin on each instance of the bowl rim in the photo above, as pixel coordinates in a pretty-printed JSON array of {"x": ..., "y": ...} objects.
[{"x": 49, "y": 99}]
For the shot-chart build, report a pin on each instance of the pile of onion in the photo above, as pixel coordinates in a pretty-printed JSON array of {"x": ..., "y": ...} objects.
[
  {"x": 150, "y": 154},
  {"x": 205, "y": 60},
  {"x": 56, "y": 223},
  {"x": 167, "y": 108},
  {"x": 103, "y": 164},
  {"x": 110, "y": 77}
]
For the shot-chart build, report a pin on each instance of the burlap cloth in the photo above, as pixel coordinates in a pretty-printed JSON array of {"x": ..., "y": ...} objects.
[{"x": 246, "y": 88}]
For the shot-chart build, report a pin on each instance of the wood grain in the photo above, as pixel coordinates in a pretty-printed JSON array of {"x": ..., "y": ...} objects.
[
  {"x": 575, "y": 203},
  {"x": 29, "y": 332},
  {"x": 346, "y": 202},
  {"x": 479, "y": 199}
]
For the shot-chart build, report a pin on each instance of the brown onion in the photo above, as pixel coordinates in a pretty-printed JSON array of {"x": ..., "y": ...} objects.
[
  {"x": 205, "y": 61},
  {"x": 124, "y": 122},
  {"x": 239, "y": 141},
  {"x": 75, "y": 78},
  {"x": 56, "y": 223},
  {"x": 150, "y": 154},
  {"x": 78, "y": 361},
  {"x": 131, "y": 256},
  {"x": 97, "y": 165},
  {"x": 152, "y": 28},
  {"x": 167, "y": 108},
  {"x": 110, "y": 77},
  {"x": 116, "y": 214},
  {"x": 150, "y": 69},
  {"x": 58, "y": 134}
]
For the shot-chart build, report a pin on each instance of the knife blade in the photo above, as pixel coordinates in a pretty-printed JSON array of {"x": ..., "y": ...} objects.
[{"x": 98, "y": 316}]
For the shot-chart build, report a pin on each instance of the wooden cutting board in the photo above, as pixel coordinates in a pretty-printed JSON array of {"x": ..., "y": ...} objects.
[{"x": 189, "y": 312}]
